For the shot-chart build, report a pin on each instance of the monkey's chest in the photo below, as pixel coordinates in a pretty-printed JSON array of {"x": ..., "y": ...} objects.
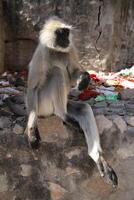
[{"x": 63, "y": 66}]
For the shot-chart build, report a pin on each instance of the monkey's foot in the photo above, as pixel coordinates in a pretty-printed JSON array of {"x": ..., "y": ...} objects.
[
  {"x": 107, "y": 172},
  {"x": 71, "y": 122},
  {"x": 34, "y": 138}
]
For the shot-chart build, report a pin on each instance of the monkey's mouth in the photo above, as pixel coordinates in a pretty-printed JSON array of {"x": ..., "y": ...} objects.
[
  {"x": 65, "y": 45},
  {"x": 62, "y": 44}
]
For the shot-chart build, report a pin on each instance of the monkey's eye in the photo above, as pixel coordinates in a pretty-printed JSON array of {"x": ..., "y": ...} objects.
[
  {"x": 66, "y": 31},
  {"x": 62, "y": 31},
  {"x": 58, "y": 31}
]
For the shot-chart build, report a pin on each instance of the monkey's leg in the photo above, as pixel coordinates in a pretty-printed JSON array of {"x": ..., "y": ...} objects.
[
  {"x": 84, "y": 115},
  {"x": 32, "y": 129}
]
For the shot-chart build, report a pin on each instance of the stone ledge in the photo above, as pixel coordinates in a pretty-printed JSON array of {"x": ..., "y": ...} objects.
[{"x": 52, "y": 130}]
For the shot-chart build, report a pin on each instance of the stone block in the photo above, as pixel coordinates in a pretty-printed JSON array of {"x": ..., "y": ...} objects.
[
  {"x": 3, "y": 183},
  {"x": 57, "y": 191},
  {"x": 101, "y": 104},
  {"x": 127, "y": 94},
  {"x": 103, "y": 123},
  {"x": 117, "y": 104},
  {"x": 120, "y": 123},
  {"x": 126, "y": 151},
  {"x": 18, "y": 129},
  {"x": 96, "y": 187},
  {"x": 130, "y": 120},
  {"x": 52, "y": 130},
  {"x": 26, "y": 170}
]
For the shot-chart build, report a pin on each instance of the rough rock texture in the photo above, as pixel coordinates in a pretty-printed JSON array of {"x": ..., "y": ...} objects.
[
  {"x": 127, "y": 94},
  {"x": 54, "y": 130},
  {"x": 61, "y": 168},
  {"x": 103, "y": 123},
  {"x": 59, "y": 173},
  {"x": 104, "y": 30},
  {"x": 2, "y": 39}
]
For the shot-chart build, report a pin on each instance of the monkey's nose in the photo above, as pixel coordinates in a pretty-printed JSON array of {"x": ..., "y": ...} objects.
[{"x": 65, "y": 44}]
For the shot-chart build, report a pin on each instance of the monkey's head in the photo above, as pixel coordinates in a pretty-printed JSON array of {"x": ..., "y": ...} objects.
[{"x": 56, "y": 35}]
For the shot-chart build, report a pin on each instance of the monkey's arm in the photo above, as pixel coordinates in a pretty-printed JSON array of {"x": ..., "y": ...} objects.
[
  {"x": 78, "y": 76},
  {"x": 36, "y": 69}
]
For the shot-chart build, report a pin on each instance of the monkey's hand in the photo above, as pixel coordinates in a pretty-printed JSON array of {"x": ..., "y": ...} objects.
[{"x": 83, "y": 81}]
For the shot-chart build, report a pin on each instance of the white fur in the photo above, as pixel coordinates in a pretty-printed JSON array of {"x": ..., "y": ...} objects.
[
  {"x": 95, "y": 153},
  {"x": 32, "y": 119},
  {"x": 47, "y": 35}
]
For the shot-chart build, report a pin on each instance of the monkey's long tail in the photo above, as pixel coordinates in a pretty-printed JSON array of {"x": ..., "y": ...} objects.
[{"x": 83, "y": 114}]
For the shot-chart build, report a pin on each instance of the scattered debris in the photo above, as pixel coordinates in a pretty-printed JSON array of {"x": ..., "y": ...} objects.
[
  {"x": 12, "y": 87},
  {"x": 109, "y": 86}
]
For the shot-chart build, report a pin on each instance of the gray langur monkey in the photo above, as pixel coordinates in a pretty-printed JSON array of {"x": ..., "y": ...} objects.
[{"x": 53, "y": 70}]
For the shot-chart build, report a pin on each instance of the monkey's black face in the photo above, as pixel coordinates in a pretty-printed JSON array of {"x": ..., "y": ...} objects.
[{"x": 62, "y": 37}]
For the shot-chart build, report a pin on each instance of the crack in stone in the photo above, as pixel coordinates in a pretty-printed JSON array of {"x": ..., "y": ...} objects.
[
  {"x": 98, "y": 21},
  {"x": 98, "y": 25}
]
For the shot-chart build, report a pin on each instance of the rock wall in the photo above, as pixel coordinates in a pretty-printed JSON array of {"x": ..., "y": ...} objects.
[
  {"x": 61, "y": 168},
  {"x": 2, "y": 46},
  {"x": 104, "y": 30}
]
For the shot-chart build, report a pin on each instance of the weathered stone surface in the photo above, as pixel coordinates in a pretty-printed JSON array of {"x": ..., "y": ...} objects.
[
  {"x": 127, "y": 94},
  {"x": 130, "y": 113},
  {"x": 72, "y": 171},
  {"x": 74, "y": 152},
  {"x": 64, "y": 172},
  {"x": 57, "y": 191},
  {"x": 113, "y": 111},
  {"x": 125, "y": 174},
  {"x": 111, "y": 33},
  {"x": 130, "y": 120},
  {"x": 130, "y": 131},
  {"x": 120, "y": 123},
  {"x": 22, "y": 55},
  {"x": 99, "y": 111},
  {"x": 17, "y": 129},
  {"x": 52, "y": 130},
  {"x": 111, "y": 139},
  {"x": 126, "y": 151},
  {"x": 5, "y": 122},
  {"x": 2, "y": 39},
  {"x": 101, "y": 104},
  {"x": 26, "y": 170},
  {"x": 3, "y": 183},
  {"x": 103, "y": 123},
  {"x": 61, "y": 168},
  {"x": 109, "y": 109},
  {"x": 129, "y": 105},
  {"x": 21, "y": 121},
  {"x": 117, "y": 104},
  {"x": 97, "y": 187}
]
